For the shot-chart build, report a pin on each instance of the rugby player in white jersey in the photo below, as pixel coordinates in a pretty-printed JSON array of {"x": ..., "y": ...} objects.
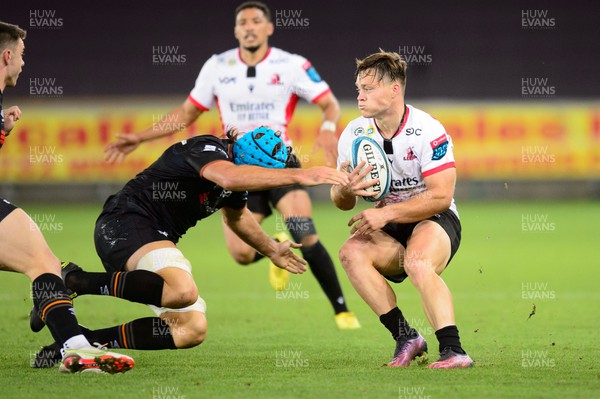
[
  {"x": 412, "y": 232},
  {"x": 258, "y": 85}
]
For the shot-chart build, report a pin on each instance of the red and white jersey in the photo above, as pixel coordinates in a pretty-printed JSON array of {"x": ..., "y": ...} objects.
[
  {"x": 421, "y": 147},
  {"x": 249, "y": 97}
]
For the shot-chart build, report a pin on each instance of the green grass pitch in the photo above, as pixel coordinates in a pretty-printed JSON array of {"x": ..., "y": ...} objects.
[{"x": 261, "y": 345}]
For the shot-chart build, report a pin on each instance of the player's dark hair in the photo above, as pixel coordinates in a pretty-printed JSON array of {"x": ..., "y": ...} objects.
[
  {"x": 384, "y": 64},
  {"x": 232, "y": 133},
  {"x": 254, "y": 4},
  {"x": 10, "y": 34}
]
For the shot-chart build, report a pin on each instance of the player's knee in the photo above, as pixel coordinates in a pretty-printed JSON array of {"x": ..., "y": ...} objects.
[
  {"x": 193, "y": 333},
  {"x": 187, "y": 297},
  {"x": 179, "y": 289},
  {"x": 244, "y": 258},
  {"x": 419, "y": 269},
  {"x": 349, "y": 254},
  {"x": 180, "y": 296}
]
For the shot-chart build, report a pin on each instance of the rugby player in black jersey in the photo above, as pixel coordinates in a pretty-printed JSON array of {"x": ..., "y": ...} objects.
[
  {"x": 137, "y": 232},
  {"x": 23, "y": 248},
  {"x": 257, "y": 84}
]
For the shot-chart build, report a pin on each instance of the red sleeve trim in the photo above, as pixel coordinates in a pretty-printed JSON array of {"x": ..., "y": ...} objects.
[
  {"x": 439, "y": 169},
  {"x": 317, "y": 98},
  {"x": 197, "y": 104}
]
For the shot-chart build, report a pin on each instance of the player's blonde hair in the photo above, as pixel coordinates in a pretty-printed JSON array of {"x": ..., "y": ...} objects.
[{"x": 383, "y": 64}]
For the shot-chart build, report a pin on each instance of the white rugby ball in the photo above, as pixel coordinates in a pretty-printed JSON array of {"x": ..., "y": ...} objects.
[{"x": 366, "y": 149}]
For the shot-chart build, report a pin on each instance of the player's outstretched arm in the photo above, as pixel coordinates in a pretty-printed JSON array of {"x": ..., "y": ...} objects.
[
  {"x": 243, "y": 223},
  {"x": 345, "y": 196},
  {"x": 244, "y": 177},
  {"x": 174, "y": 121}
]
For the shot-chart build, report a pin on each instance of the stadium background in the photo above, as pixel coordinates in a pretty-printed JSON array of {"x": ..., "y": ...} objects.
[{"x": 515, "y": 85}]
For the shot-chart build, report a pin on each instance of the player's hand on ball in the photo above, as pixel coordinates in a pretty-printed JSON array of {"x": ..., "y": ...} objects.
[
  {"x": 286, "y": 259},
  {"x": 357, "y": 185},
  {"x": 125, "y": 144},
  {"x": 322, "y": 175},
  {"x": 368, "y": 221}
]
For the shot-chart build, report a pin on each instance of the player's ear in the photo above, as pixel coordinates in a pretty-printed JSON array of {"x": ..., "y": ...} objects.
[
  {"x": 270, "y": 28},
  {"x": 396, "y": 89},
  {"x": 5, "y": 56}
]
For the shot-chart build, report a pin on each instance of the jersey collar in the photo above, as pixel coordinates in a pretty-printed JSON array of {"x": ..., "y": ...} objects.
[
  {"x": 239, "y": 54},
  {"x": 402, "y": 123}
]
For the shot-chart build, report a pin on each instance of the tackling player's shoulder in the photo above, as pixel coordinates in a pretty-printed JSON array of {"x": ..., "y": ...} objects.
[{"x": 204, "y": 143}]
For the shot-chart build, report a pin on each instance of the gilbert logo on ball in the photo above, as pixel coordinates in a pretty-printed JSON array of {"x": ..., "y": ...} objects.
[{"x": 366, "y": 149}]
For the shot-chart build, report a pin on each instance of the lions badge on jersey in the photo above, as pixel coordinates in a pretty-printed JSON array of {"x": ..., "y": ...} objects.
[
  {"x": 440, "y": 147},
  {"x": 311, "y": 72}
]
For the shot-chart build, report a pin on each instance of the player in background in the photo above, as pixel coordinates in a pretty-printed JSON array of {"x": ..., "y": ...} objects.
[
  {"x": 138, "y": 230},
  {"x": 23, "y": 248},
  {"x": 412, "y": 232},
  {"x": 255, "y": 85}
]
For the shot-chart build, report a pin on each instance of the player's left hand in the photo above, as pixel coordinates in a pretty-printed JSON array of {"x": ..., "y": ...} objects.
[
  {"x": 368, "y": 221},
  {"x": 11, "y": 115},
  {"x": 286, "y": 259},
  {"x": 327, "y": 140}
]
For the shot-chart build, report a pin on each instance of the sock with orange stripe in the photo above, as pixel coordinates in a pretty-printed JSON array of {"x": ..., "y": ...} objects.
[
  {"x": 52, "y": 302},
  {"x": 140, "y": 286},
  {"x": 148, "y": 333}
]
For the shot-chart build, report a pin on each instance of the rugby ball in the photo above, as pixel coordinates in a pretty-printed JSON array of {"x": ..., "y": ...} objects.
[{"x": 366, "y": 149}]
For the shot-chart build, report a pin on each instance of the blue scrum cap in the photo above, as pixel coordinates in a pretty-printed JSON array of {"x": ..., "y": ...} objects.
[{"x": 260, "y": 147}]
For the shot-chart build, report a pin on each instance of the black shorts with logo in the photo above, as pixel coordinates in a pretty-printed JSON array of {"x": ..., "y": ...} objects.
[
  {"x": 401, "y": 232},
  {"x": 121, "y": 229},
  {"x": 263, "y": 201},
  {"x": 5, "y": 208}
]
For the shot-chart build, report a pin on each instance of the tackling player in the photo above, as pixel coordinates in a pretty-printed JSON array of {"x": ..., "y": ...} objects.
[
  {"x": 137, "y": 232},
  {"x": 23, "y": 248},
  {"x": 255, "y": 85},
  {"x": 412, "y": 232}
]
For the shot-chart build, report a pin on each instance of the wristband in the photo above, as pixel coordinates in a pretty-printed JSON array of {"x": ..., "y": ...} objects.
[{"x": 328, "y": 125}]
